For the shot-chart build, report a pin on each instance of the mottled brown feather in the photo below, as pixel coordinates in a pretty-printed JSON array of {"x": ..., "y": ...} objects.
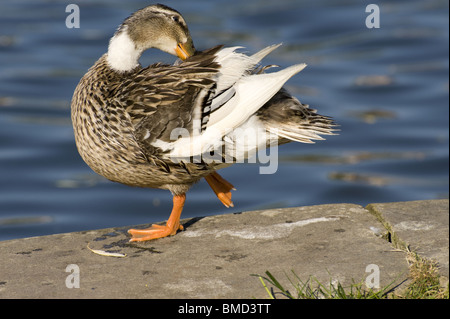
[{"x": 113, "y": 113}]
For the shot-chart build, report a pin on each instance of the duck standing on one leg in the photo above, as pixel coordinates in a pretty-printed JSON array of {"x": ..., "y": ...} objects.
[{"x": 131, "y": 123}]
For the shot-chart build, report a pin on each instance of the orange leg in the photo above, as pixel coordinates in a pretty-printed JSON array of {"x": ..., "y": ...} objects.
[
  {"x": 158, "y": 231},
  {"x": 221, "y": 187}
]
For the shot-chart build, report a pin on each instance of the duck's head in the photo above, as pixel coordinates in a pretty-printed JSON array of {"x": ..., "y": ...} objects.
[{"x": 156, "y": 26}]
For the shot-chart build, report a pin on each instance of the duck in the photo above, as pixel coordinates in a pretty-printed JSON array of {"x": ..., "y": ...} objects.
[{"x": 168, "y": 126}]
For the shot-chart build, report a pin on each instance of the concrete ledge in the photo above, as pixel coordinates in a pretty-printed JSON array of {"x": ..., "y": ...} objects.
[
  {"x": 215, "y": 256},
  {"x": 422, "y": 226}
]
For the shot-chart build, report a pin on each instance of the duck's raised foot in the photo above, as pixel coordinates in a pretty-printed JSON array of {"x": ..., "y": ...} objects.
[{"x": 221, "y": 187}]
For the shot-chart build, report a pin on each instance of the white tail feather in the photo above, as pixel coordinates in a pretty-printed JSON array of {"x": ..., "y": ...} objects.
[
  {"x": 252, "y": 92},
  {"x": 302, "y": 136},
  {"x": 234, "y": 65},
  {"x": 258, "y": 56}
]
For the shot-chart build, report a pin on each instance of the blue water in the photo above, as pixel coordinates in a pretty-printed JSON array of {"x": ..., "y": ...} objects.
[{"x": 388, "y": 88}]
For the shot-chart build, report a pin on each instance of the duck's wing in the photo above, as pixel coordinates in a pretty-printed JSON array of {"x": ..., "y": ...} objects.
[
  {"x": 183, "y": 111},
  {"x": 164, "y": 100},
  {"x": 240, "y": 91}
]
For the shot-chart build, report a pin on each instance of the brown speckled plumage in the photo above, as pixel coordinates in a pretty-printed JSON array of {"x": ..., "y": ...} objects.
[
  {"x": 113, "y": 112},
  {"x": 124, "y": 115}
]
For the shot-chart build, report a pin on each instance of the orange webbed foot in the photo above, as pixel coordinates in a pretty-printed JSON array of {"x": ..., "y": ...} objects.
[
  {"x": 159, "y": 231},
  {"x": 153, "y": 232},
  {"x": 221, "y": 187}
]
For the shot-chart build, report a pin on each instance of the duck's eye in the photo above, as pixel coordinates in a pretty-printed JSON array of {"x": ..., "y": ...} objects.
[{"x": 176, "y": 19}]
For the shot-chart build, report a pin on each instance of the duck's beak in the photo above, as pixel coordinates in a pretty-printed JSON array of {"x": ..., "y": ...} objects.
[{"x": 185, "y": 50}]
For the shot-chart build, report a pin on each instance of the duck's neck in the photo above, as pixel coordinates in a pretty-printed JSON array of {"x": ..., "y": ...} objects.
[{"x": 122, "y": 53}]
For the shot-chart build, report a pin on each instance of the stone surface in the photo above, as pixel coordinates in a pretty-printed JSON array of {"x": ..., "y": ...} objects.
[
  {"x": 422, "y": 225},
  {"x": 214, "y": 257}
]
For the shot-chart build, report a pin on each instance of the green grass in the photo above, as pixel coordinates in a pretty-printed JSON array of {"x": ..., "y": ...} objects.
[
  {"x": 425, "y": 279},
  {"x": 424, "y": 283},
  {"x": 314, "y": 289}
]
